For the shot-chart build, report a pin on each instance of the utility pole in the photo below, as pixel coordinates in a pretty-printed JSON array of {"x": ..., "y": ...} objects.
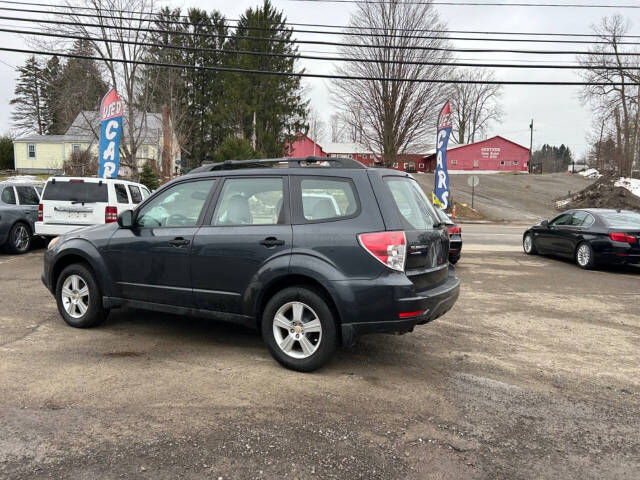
[
  {"x": 253, "y": 136},
  {"x": 531, "y": 147}
]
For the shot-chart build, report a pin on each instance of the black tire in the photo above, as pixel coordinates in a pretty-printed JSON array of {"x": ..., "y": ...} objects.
[
  {"x": 585, "y": 249},
  {"x": 16, "y": 241},
  {"x": 453, "y": 259},
  {"x": 532, "y": 250},
  {"x": 327, "y": 340},
  {"x": 95, "y": 312}
]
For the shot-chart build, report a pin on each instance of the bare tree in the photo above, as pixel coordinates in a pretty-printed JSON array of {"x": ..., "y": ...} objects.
[
  {"x": 120, "y": 37},
  {"x": 317, "y": 128},
  {"x": 336, "y": 128},
  {"x": 616, "y": 102},
  {"x": 392, "y": 116},
  {"x": 474, "y": 105}
]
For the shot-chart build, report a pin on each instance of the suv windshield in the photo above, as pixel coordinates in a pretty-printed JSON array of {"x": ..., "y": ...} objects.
[
  {"x": 413, "y": 204},
  {"x": 81, "y": 192},
  {"x": 622, "y": 219}
]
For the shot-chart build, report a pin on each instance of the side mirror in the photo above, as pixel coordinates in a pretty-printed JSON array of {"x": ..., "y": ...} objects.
[
  {"x": 545, "y": 223},
  {"x": 125, "y": 219}
]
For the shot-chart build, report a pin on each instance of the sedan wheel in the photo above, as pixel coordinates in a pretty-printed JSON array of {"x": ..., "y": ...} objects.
[
  {"x": 584, "y": 256},
  {"x": 528, "y": 245}
]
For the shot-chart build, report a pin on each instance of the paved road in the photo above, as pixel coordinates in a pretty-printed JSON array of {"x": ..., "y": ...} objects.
[
  {"x": 513, "y": 198},
  {"x": 533, "y": 374}
]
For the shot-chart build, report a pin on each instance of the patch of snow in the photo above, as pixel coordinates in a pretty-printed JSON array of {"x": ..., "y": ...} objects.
[
  {"x": 562, "y": 203},
  {"x": 631, "y": 184},
  {"x": 590, "y": 173},
  {"x": 24, "y": 179}
]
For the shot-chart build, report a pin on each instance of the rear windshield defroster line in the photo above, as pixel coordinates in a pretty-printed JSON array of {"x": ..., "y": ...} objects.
[{"x": 81, "y": 192}]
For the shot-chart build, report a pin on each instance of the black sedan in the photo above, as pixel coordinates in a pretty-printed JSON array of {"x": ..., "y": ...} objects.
[
  {"x": 592, "y": 237},
  {"x": 455, "y": 236}
]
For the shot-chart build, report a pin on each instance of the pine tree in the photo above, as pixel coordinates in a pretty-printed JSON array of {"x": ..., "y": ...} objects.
[
  {"x": 28, "y": 107},
  {"x": 51, "y": 79},
  {"x": 149, "y": 178}
]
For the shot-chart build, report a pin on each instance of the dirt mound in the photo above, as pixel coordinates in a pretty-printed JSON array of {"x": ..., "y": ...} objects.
[{"x": 601, "y": 194}]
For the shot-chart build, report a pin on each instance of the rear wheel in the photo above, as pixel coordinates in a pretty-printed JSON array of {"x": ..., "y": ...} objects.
[
  {"x": 585, "y": 257},
  {"x": 528, "y": 245},
  {"x": 299, "y": 329},
  {"x": 19, "y": 239},
  {"x": 79, "y": 298}
]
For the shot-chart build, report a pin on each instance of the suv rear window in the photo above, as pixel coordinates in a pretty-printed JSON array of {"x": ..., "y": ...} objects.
[
  {"x": 81, "y": 192},
  {"x": 327, "y": 198},
  {"x": 413, "y": 204}
]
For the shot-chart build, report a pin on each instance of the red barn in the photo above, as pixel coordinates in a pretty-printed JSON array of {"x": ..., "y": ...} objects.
[
  {"x": 303, "y": 146},
  {"x": 496, "y": 154}
]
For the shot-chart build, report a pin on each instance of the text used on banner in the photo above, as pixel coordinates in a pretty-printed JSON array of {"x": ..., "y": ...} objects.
[{"x": 111, "y": 110}]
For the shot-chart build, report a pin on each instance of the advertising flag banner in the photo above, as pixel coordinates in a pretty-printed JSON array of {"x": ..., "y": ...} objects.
[
  {"x": 110, "y": 130},
  {"x": 441, "y": 195}
]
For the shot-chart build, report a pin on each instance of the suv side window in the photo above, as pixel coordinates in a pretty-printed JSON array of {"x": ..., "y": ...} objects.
[
  {"x": 145, "y": 193},
  {"x": 327, "y": 198},
  {"x": 250, "y": 201},
  {"x": 178, "y": 206},
  {"x": 136, "y": 196},
  {"x": 27, "y": 196},
  {"x": 121, "y": 193},
  {"x": 8, "y": 196}
]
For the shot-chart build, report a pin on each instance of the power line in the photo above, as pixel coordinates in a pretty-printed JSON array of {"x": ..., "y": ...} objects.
[
  {"x": 304, "y": 74},
  {"x": 478, "y": 4},
  {"x": 322, "y": 42},
  {"x": 164, "y": 21},
  {"x": 338, "y": 27},
  {"x": 315, "y": 57}
]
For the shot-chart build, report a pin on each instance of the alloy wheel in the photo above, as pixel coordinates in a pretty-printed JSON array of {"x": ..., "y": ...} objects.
[
  {"x": 528, "y": 243},
  {"x": 75, "y": 296},
  {"x": 583, "y": 255},
  {"x": 297, "y": 329},
  {"x": 21, "y": 238}
]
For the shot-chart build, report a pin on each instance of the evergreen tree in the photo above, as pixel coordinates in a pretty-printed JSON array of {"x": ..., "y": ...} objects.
[
  {"x": 275, "y": 100},
  {"x": 149, "y": 178},
  {"x": 28, "y": 106},
  {"x": 6, "y": 153},
  {"x": 51, "y": 79},
  {"x": 234, "y": 148}
]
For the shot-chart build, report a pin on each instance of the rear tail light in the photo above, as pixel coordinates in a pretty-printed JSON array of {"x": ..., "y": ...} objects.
[
  {"x": 110, "y": 214},
  {"x": 457, "y": 230},
  {"x": 390, "y": 248},
  {"x": 40, "y": 212},
  {"x": 622, "y": 237},
  {"x": 416, "y": 313}
]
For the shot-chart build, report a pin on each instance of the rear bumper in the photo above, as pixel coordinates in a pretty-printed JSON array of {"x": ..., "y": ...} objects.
[
  {"x": 433, "y": 303},
  {"x": 54, "y": 230}
]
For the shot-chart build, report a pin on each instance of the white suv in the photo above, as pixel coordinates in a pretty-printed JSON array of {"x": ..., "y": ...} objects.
[{"x": 69, "y": 203}]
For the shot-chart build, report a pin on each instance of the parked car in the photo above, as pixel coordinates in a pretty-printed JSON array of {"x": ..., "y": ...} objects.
[
  {"x": 18, "y": 214},
  {"x": 69, "y": 203},
  {"x": 591, "y": 237},
  {"x": 240, "y": 244},
  {"x": 455, "y": 236}
]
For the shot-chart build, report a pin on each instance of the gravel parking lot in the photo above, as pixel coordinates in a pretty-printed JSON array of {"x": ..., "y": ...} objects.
[{"x": 533, "y": 374}]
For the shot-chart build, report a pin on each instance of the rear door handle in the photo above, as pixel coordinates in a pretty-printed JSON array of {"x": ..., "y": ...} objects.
[
  {"x": 272, "y": 242},
  {"x": 179, "y": 242}
]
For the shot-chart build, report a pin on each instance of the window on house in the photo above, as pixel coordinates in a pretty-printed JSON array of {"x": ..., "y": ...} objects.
[
  {"x": 422, "y": 165},
  {"x": 476, "y": 163},
  {"x": 502, "y": 163},
  {"x": 75, "y": 148},
  {"x": 515, "y": 163},
  {"x": 395, "y": 165},
  {"x": 405, "y": 165},
  {"x": 455, "y": 162},
  {"x": 31, "y": 150}
]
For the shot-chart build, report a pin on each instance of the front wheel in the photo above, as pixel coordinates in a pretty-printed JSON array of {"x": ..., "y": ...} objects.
[
  {"x": 299, "y": 329},
  {"x": 79, "y": 298},
  {"x": 19, "y": 239},
  {"x": 585, "y": 257},
  {"x": 528, "y": 245}
]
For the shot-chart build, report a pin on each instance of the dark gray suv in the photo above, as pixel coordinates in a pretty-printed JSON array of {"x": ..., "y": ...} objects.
[
  {"x": 311, "y": 252},
  {"x": 18, "y": 214}
]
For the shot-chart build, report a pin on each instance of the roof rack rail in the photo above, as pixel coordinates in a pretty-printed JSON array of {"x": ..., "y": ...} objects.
[{"x": 340, "y": 162}]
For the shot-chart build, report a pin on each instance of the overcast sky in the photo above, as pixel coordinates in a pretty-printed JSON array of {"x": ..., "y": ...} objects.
[{"x": 558, "y": 114}]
